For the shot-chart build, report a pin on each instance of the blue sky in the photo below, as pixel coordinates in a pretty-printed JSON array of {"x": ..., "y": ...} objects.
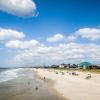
[
  {"x": 51, "y": 23},
  {"x": 56, "y": 16}
]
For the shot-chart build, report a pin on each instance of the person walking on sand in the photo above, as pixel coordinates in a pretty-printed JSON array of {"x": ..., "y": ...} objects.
[{"x": 44, "y": 78}]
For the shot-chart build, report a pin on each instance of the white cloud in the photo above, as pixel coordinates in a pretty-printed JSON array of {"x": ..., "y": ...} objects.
[
  {"x": 18, "y": 7},
  {"x": 18, "y": 44},
  {"x": 49, "y": 55},
  {"x": 55, "y": 38},
  {"x": 89, "y": 33},
  {"x": 71, "y": 38},
  {"x": 35, "y": 53},
  {"x": 8, "y": 34}
]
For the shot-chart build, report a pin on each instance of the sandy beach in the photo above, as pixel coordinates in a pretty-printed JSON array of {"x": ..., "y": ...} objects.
[{"x": 74, "y": 87}]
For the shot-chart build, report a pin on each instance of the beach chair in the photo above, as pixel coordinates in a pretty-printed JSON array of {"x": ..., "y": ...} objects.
[
  {"x": 88, "y": 77},
  {"x": 62, "y": 73},
  {"x": 56, "y": 72}
]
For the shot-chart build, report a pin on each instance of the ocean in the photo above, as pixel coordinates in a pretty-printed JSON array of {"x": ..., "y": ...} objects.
[{"x": 8, "y": 74}]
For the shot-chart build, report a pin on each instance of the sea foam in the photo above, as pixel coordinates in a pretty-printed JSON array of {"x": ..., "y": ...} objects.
[{"x": 8, "y": 75}]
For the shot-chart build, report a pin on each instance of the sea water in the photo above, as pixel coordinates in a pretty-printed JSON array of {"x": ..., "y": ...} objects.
[{"x": 8, "y": 74}]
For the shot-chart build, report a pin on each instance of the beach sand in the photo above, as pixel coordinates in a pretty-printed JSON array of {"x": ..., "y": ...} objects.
[
  {"x": 74, "y": 87},
  {"x": 28, "y": 86}
]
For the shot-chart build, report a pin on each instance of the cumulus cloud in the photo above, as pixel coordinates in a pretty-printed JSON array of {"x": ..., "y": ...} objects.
[
  {"x": 55, "y": 38},
  {"x": 89, "y": 33},
  {"x": 71, "y": 38},
  {"x": 18, "y": 7},
  {"x": 18, "y": 44},
  {"x": 49, "y": 55},
  {"x": 33, "y": 52},
  {"x": 9, "y": 34}
]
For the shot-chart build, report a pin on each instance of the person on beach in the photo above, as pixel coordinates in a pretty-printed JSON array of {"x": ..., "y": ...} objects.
[
  {"x": 44, "y": 78},
  {"x": 28, "y": 83},
  {"x": 36, "y": 88}
]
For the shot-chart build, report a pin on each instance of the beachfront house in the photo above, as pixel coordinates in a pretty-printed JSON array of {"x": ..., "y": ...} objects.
[
  {"x": 73, "y": 66},
  {"x": 84, "y": 65},
  {"x": 95, "y": 66},
  {"x": 64, "y": 66},
  {"x": 55, "y": 66},
  {"x": 68, "y": 66}
]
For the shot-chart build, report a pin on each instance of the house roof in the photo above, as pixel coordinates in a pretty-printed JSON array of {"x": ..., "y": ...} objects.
[{"x": 85, "y": 64}]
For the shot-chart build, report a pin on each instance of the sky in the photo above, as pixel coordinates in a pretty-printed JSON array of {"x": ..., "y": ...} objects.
[{"x": 46, "y": 32}]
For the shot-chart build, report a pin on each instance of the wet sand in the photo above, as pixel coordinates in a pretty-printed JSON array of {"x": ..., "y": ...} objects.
[{"x": 28, "y": 86}]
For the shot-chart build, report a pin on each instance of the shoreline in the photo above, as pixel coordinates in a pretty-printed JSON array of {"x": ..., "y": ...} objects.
[
  {"x": 51, "y": 86},
  {"x": 24, "y": 88},
  {"x": 73, "y": 87}
]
